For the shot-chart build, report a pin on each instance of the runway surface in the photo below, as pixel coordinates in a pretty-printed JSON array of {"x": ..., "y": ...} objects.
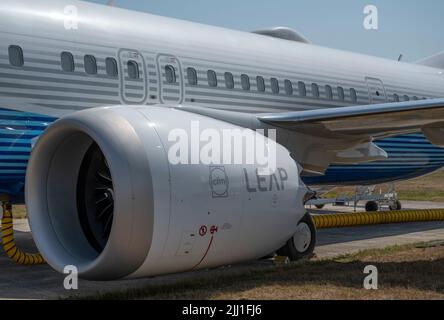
[{"x": 41, "y": 282}]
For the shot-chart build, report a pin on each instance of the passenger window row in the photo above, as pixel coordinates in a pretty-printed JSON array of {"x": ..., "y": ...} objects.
[
  {"x": 289, "y": 87},
  {"x": 16, "y": 59},
  {"x": 90, "y": 65},
  {"x": 397, "y": 98}
]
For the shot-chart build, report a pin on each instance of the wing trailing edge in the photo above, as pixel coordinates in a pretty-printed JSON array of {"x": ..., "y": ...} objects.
[{"x": 319, "y": 138}]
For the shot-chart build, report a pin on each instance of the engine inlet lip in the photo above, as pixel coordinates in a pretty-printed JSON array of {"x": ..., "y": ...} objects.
[{"x": 130, "y": 169}]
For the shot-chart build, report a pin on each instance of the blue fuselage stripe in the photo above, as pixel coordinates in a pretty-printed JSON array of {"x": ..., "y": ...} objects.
[{"x": 409, "y": 155}]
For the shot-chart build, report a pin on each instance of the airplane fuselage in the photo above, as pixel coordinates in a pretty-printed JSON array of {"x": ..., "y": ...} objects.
[{"x": 59, "y": 57}]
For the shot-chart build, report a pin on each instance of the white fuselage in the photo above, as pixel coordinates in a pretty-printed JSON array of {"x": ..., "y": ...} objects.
[
  {"x": 43, "y": 32},
  {"x": 296, "y": 76}
]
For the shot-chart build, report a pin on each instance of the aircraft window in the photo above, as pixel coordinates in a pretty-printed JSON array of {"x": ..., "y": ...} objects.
[
  {"x": 170, "y": 74},
  {"x": 260, "y": 82},
  {"x": 133, "y": 69},
  {"x": 16, "y": 56},
  {"x": 274, "y": 85},
  {"x": 315, "y": 90},
  {"x": 353, "y": 95},
  {"x": 415, "y": 98},
  {"x": 302, "y": 89},
  {"x": 192, "y": 76},
  {"x": 90, "y": 64},
  {"x": 341, "y": 94},
  {"x": 329, "y": 92},
  {"x": 396, "y": 97},
  {"x": 212, "y": 78},
  {"x": 111, "y": 67},
  {"x": 245, "y": 81},
  {"x": 67, "y": 60},
  {"x": 288, "y": 87},
  {"x": 229, "y": 80},
  {"x": 406, "y": 98}
]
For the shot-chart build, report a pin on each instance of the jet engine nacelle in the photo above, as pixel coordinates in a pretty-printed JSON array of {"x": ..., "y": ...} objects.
[{"x": 103, "y": 195}]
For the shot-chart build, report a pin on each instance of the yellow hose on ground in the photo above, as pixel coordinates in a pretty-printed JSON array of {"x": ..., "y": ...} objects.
[
  {"x": 8, "y": 242},
  {"x": 340, "y": 220}
]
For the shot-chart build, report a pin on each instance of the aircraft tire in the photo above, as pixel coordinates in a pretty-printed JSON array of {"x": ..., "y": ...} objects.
[
  {"x": 371, "y": 206},
  {"x": 303, "y": 243}
]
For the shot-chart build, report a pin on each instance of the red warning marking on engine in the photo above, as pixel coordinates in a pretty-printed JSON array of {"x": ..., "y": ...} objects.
[
  {"x": 213, "y": 229},
  {"x": 205, "y": 254},
  {"x": 203, "y": 231}
]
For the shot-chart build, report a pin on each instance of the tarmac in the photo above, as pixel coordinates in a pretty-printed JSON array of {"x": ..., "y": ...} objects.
[{"x": 41, "y": 282}]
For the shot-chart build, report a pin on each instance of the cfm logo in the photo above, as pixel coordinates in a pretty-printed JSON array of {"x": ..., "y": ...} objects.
[{"x": 218, "y": 182}]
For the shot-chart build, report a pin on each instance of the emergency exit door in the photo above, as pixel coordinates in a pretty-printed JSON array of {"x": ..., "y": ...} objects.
[
  {"x": 171, "y": 79},
  {"x": 133, "y": 78},
  {"x": 376, "y": 90}
]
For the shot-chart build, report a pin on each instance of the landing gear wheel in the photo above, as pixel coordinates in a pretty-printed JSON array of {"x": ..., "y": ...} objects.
[
  {"x": 302, "y": 244},
  {"x": 371, "y": 206},
  {"x": 320, "y": 206},
  {"x": 396, "y": 206}
]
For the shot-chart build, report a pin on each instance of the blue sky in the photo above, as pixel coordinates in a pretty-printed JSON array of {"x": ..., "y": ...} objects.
[{"x": 411, "y": 27}]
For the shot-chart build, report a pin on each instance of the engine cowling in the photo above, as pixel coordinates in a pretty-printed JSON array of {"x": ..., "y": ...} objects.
[{"x": 103, "y": 196}]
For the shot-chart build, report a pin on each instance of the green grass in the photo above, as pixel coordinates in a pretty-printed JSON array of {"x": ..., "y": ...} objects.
[
  {"x": 341, "y": 275},
  {"x": 383, "y": 252},
  {"x": 435, "y": 196},
  {"x": 426, "y": 188}
]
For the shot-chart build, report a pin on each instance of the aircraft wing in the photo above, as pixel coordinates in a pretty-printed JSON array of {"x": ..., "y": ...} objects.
[
  {"x": 321, "y": 137},
  {"x": 373, "y": 120}
]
